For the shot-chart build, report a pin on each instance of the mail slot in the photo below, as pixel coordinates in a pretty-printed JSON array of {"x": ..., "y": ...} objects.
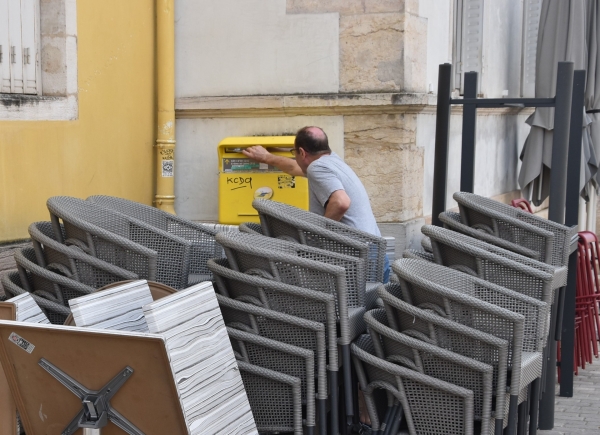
[{"x": 241, "y": 180}]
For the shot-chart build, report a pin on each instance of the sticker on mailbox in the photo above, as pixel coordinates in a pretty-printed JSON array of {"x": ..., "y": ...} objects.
[
  {"x": 21, "y": 342},
  {"x": 246, "y": 165},
  {"x": 263, "y": 193},
  {"x": 286, "y": 182}
]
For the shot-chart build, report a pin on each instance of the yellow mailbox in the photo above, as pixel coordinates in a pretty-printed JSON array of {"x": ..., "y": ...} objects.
[{"x": 241, "y": 180}]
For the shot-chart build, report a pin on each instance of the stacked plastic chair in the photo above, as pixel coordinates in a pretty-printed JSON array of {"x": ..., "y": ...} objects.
[
  {"x": 291, "y": 223},
  {"x": 202, "y": 238},
  {"x": 282, "y": 358},
  {"x": 293, "y": 333},
  {"x": 289, "y": 314},
  {"x": 436, "y": 362},
  {"x": 587, "y": 299},
  {"x": 521, "y": 320}
]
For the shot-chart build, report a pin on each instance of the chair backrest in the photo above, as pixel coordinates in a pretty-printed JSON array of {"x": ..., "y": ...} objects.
[
  {"x": 13, "y": 286},
  {"x": 173, "y": 261},
  {"x": 299, "y": 265},
  {"x": 250, "y": 228},
  {"x": 522, "y": 203},
  {"x": 495, "y": 264},
  {"x": 281, "y": 327},
  {"x": 475, "y": 302},
  {"x": 202, "y": 236},
  {"x": 452, "y": 221},
  {"x": 51, "y": 285},
  {"x": 503, "y": 220},
  {"x": 275, "y": 399},
  {"x": 283, "y": 298},
  {"x": 445, "y": 333},
  {"x": 72, "y": 262},
  {"x": 433, "y": 361},
  {"x": 280, "y": 357},
  {"x": 286, "y": 221},
  {"x": 430, "y": 405}
]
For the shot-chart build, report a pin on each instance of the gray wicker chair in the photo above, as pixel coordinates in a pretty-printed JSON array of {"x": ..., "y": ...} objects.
[
  {"x": 430, "y": 406},
  {"x": 307, "y": 304},
  {"x": 281, "y": 409},
  {"x": 310, "y": 268},
  {"x": 486, "y": 307},
  {"x": 251, "y": 228},
  {"x": 492, "y": 263},
  {"x": 551, "y": 240},
  {"x": 122, "y": 237},
  {"x": 283, "y": 358},
  {"x": 283, "y": 220},
  {"x": 452, "y": 221},
  {"x": 463, "y": 340},
  {"x": 287, "y": 329},
  {"x": 71, "y": 261},
  {"x": 436, "y": 362},
  {"x": 202, "y": 238},
  {"x": 56, "y": 287},
  {"x": 13, "y": 286}
]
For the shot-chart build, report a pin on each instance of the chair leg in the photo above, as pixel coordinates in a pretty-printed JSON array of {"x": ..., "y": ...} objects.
[
  {"x": 524, "y": 414},
  {"x": 534, "y": 406},
  {"x": 347, "y": 371},
  {"x": 334, "y": 402}
]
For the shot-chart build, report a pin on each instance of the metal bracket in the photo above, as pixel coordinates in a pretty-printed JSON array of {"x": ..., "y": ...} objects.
[{"x": 96, "y": 410}]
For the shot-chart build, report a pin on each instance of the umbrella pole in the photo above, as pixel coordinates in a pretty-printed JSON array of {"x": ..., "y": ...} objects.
[
  {"x": 442, "y": 132},
  {"x": 556, "y": 213},
  {"x": 571, "y": 218}
]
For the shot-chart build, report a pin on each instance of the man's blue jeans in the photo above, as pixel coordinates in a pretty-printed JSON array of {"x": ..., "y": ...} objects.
[{"x": 386, "y": 270}]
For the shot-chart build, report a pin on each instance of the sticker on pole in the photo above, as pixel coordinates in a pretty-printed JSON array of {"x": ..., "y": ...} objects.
[
  {"x": 167, "y": 168},
  {"x": 21, "y": 342}
]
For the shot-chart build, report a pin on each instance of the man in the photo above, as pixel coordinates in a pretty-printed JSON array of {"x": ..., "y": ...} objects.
[{"x": 335, "y": 190}]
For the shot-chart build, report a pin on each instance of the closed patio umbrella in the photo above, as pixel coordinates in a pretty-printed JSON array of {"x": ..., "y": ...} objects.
[{"x": 562, "y": 37}]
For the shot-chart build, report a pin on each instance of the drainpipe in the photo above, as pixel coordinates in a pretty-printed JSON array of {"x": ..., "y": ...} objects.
[{"x": 165, "y": 137}]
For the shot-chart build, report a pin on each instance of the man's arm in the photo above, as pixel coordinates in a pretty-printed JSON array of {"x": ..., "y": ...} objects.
[
  {"x": 284, "y": 164},
  {"x": 337, "y": 205}
]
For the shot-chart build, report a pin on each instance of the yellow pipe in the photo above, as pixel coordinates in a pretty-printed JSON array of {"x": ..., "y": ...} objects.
[{"x": 165, "y": 137}]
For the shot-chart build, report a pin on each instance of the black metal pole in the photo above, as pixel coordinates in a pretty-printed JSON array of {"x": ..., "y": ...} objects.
[
  {"x": 571, "y": 219},
  {"x": 442, "y": 132},
  {"x": 469, "y": 128},
  {"x": 556, "y": 213}
]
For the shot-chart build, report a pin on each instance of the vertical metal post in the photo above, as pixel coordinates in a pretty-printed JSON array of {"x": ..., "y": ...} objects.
[
  {"x": 88, "y": 431},
  {"x": 571, "y": 218},
  {"x": 560, "y": 147},
  {"x": 442, "y": 131},
  {"x": 556, "y": 213},
  {"x": 467, "y": 166}
]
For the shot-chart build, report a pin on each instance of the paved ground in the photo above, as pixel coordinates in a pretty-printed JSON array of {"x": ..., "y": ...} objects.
[{"x": 579, "y": 414}]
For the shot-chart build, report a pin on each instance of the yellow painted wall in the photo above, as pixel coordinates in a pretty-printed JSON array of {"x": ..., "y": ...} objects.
[{"x": 109, "y": 149}]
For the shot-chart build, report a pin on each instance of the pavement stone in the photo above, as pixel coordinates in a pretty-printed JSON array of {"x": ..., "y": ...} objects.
[{"x": 580, "y": 414}]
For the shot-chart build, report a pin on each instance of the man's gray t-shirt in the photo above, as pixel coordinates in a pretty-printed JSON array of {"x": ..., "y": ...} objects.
[{"x": 328, "y": 174}]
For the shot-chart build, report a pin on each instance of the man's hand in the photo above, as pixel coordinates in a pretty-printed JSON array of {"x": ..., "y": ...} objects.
[
  {"x": 257, "y": 153},
  {"x": 337, "y": 205},
  {"x": 285, "y": 164}
]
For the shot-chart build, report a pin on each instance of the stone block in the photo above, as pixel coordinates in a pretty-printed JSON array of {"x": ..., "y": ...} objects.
[
  {"x": 54, "y": 66},
  {"x": 381, "y": 149},
  {"x": 383, "y": 52}
]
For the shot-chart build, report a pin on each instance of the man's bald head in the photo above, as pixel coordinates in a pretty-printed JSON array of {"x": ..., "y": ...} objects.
[{"x": 313, "y": 140}]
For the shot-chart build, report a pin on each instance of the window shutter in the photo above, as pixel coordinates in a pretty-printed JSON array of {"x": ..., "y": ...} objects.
[
  {"x": 4, "y": 48},
  {"x": 15, "y": 49},
  {"x": 29, "y": 46},
  {"x": 472, "y": 38},
  {"x": 531, "y": 25}
]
